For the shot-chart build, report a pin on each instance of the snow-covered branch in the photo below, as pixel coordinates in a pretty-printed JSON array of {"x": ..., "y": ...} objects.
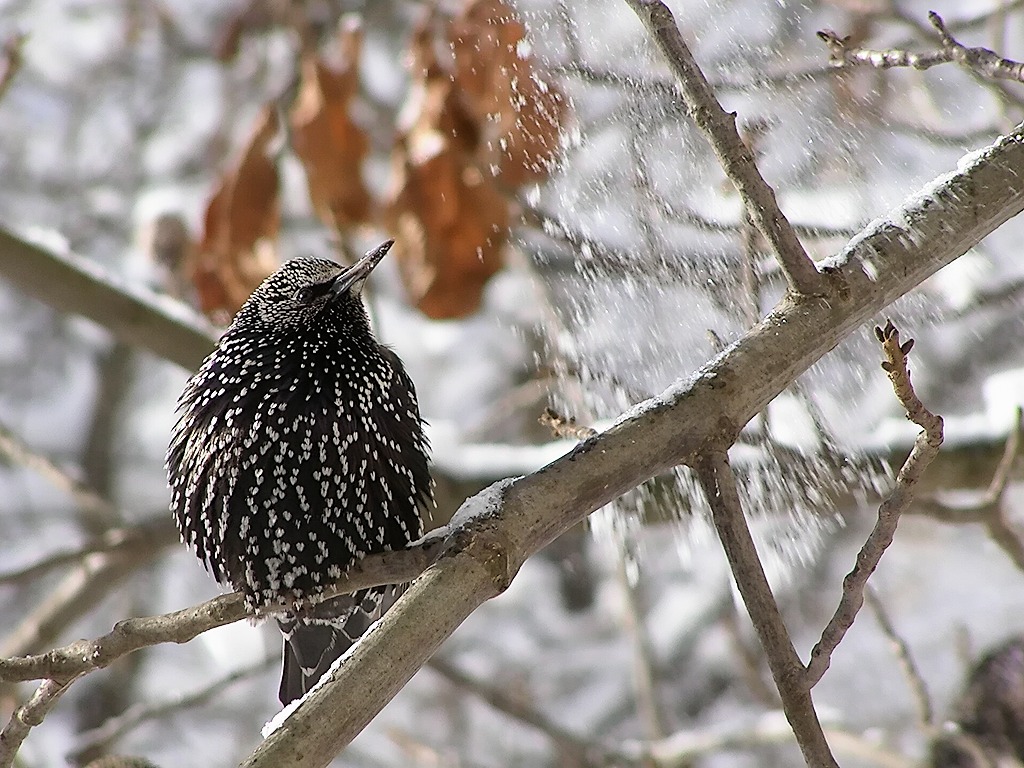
[{"x": 513, "y": 520}]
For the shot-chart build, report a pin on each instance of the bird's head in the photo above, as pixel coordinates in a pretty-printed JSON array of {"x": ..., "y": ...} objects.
[{"x": 301, "y": 289}]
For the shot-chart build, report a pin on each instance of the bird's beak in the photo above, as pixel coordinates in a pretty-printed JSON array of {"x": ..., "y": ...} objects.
[{"x": 353, "y": 277}]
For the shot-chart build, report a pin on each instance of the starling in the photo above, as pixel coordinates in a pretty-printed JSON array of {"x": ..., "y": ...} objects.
[{"x": 299, "y": 448}]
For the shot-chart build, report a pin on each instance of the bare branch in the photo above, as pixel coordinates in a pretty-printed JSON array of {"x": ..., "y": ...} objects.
[
  {"x": 926, "y": 447},
  {"x": 28, "y": 716},
  {"x": 182, "y": 626},
  {"x": 738, "y": 161},
  {"x": 576, "y": 749},
  {"x": 981, "y": 61},
  {"x": 913, "y": 675},
  {"x": 681, "y": 749},
  {"x": 116, "y": 727},
  {"x": 71, "y": 283},
  {"x": 77, "y": 594},
  {"x": 18, "y": 452},
  {"x": 719, "y": 484},
  {"x": 647, "y": 706},
  {"x": 153, "y": 533}
]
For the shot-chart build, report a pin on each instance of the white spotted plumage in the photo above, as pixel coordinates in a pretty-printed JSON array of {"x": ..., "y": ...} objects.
[{"x": 299, "y": 447}]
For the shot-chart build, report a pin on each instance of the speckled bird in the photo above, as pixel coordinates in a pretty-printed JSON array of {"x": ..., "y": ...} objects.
[{"x": 299, "y": 448}]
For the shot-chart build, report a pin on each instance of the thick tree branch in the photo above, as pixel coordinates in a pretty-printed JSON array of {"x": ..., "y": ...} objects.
[
  {"x": 888, "y": 259},
  {"x": 926, "y": 448},
  {"x": 736, "y": 157},
  {"x": 77, "y": 285}
]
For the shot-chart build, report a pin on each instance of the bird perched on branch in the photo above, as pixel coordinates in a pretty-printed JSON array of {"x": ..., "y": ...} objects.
[{"x": 299, "y": 448}]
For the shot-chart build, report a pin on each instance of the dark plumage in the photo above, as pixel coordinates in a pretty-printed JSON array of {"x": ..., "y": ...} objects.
[{"x": 298, "y": 449}]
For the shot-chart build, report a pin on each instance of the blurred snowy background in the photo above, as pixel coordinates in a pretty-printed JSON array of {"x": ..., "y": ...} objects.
[{"x": 625, "y": 269}]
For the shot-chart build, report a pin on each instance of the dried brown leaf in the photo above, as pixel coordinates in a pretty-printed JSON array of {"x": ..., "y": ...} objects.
[
  {"x": 450, "y": 224},
  {"x": 240, "y": 225},
  {"x": 518, "y": 107},
  {"x": 448, "y": 218},
  {"x": 330, "y": 145}
]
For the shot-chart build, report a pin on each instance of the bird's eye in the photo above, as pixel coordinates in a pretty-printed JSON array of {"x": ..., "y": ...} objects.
[{"x": 304, "y": 295}]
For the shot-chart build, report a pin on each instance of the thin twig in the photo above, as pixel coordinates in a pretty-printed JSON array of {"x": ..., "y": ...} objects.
[
  {"x": 182, "y": 626},
  {"x": 926, "y": 448},
  {"x": 914, "y": 678},
  {"x": 736, "y": 158},
  {"x": 644, "y": 681},
  {"x": 719, "y": 483},
  {"x": 981, "y": 61},
  {"x": 28, "y": 716}
]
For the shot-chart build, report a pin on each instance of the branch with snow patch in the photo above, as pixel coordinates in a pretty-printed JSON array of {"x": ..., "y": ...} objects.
[
  {"x": 735, "y": 156},
  {"x": 514, "y": 519},
  {"x": 981, "y": 61}
]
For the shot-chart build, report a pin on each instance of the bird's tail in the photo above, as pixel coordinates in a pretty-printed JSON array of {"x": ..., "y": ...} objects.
[{"x": 315, "y": 639}]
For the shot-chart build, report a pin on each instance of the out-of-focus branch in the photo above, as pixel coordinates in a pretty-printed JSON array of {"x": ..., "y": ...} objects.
[
  {"x": 681, "y": 749},
  {"x": 71, "y": 283},
  {"x": 575, "y": 748},
  {"x": 981, "y": 61},
  {"x": 989, "y": 509},
  {"x": 736, "y": 158},
  {"x": 11, "y": 60},
  {"x": 926, "y": 447},
  {"x": 16, "y": 451},
  {"x": 79, "y": 592},
  {"x": 115, "y": 728},
  {"x": 156, "y": 532},
  {"x": 915, "y": 680},
  {"x": 103, "y": 562},
  {"x": 719, "y": 484}
]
